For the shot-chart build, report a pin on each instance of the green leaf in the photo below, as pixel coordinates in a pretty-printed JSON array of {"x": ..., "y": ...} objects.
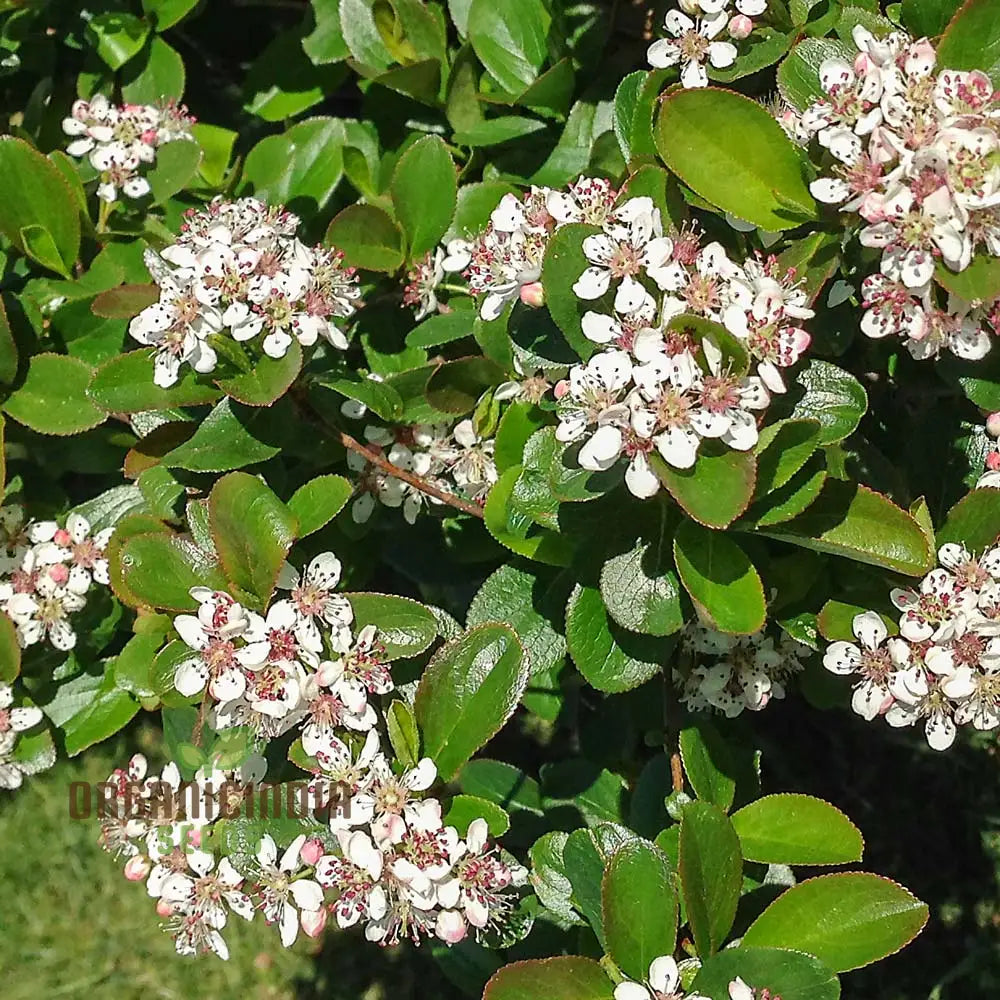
[
  {"x": 380, "y": 397},
  {"x": 792, "y": 829},
  {"x": 424, "y": 191},
  {"x": 565, "y": 977},
  {"x": 639, "y": 586},
  {"x": 468, "y": 691},
  {"x": 176, "y": 166},
  {"x": 224, "y": 441},
  {"x": 635, "y": 101},
  {"x": 855, "y": 522},
  {"x": 117, "y": 37},
  {"x": 503, "y": 784},
  {"x": 784, "y": 972},
  {"x": 515, "y": 529},
  {"x": 455, "y": 386},
  {"x": 790, "y": 500},
  {"x": 442, "y": 329},
  {"x": 731, "y": 151},
  {"x": 763, "y": 48},
  {"x": 495, "y": 131},
  {"x": 53, "y": 397},
  {"x": 217, "y": 150},
  {"x": 300, "y": 168},
  {"x": 711, "y": 871},
  {"x": 108, "y": 712},
  {"x": 585, "y": 861},
  {"x": 8, "y": 349},
  {"x": 979, "y": 282},
  {"x": 369, "y": 238},
  {"x": 37, "y": 194},
  {"x": 826, "y": 393},
  {"x": 782, "y": 449},
  {"x": 798, "y": 75},
  {"x": 928, "y": 18},
  {"x": 124, "y": 301},
  {"x": 475, "y": 203},
  {"x": 639, "y": 905},
  {"x": 157, "y": 78},
  {"x": 166, "y": 13},
  {"x": 509, "y": 36},
  {"x": 267, "y": 381},
  {"x": 836, "y": 621},
  {"x": 972, "y": 39},
  {"x": 720, "y": 578},
  {"x": 282, "y": 82},
  {"x": 466, "y": 808},
  {"x": 133, "y": 665},
  {"x": 974, "y": 521},
  {"x": 159, "y": 570},
  {"x": 610, "y": 658},
  {"x": 316, "y": 503},
  {"x": 708, "y": 764},
  {"x": 521, "y": 599},
  {"x": 403, "y": 733},
  {"x": 125, "y": 385},
  {"x": 598, "y": 795},
  {"x": 716, "y": 489},
  {"x": 325, "y": 44},
  {"x": 253, "y": 531},
  {"x": 405, "y": 627},
  {"x": 10, "y": 651},
  {"x": 846, "y": 920},
  {"x": 563, "y": 264}
]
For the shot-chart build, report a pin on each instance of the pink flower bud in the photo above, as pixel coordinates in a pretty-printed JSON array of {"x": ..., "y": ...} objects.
[
  {"x": 62, "y": 537},
  {"x": 59, "y": 573},
  {"x": 450, "y": 926},
  {"x": 560, "y": 389},
  {"x": 313, "y": 921},
  {"x": 137, "y": 868},
  {"x": 740, "y": 27},
  {"x": 993, "y": 461},
  {"x": 163, "y": 908},
  {"x": 533, "y": 295},
  {"x": 194, "y": 837},
  {"x": 993, "y": 424},
  {"x": 312, "y": 850}
]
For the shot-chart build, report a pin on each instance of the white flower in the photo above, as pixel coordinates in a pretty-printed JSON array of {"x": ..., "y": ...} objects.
[
  {"x": 315, "y": 602},
  {"x": 281, "y": 888},
  {"x": 873, "y": 663},
  {"x": 691, "y": 45}
]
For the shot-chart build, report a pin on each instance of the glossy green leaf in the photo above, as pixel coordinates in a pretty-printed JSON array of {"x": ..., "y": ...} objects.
[
  {"x": 509, "y": 37},
  {"x": 974, "y": 521},
  {"x": 784, "y": 972},
  {"x": 464, "y": 809},
  {"x": 610, "y": 658},
  {"x": 792, "y": 829},
  {"x": 720, "y": 578},
  {"x": 565, "y": 977},
  {"x": 253, "y": 531},
  {"x": 468, "y": 691},
  {"x": 857, "y": 523},
  {"x": 822, "y": 391},
  {"x": 782, "y": 449},
  {"x": 125, "y": 385},
  {"x": 401, "y": 726},
  {"x": 157, "y": 77},
  {"x": 166, "y": 13},
  {"x": 37, "y": 194},
  {"x": 225, "y": 440},
  {"x": 424, "y": 193},
  {"x": 176, "y": 165},
  {"x": 10, "y": 651},
  {"x": 159, "y": 570},
  {"x": 846, "y": 920},
  {"x": 639, "y": 904},
  {"x": 368, "y": 237},
  {"x": 118, "y": 37},
  {"x": 734, "y": 154},
  {"x": 109, "y": 711},
  {"x": 716, "y": 489},
  {"x": 53, "y": 397},
  {"x": 708, "y": 764},
  {"x": 798, "y": 75},
  {"x": 317, "y": 502},
  {"x": 972, "y": 39},
  {"x": 405, "y": 627},
  {"x": 711, "y": 872},
  {"x": 267, "y": 381}
]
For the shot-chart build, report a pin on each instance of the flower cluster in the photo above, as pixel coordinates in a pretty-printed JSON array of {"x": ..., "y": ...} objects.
[
  {"x": 732, "y": 673},
  {"x": 424, "y": 279},
  {"x": 13, "y": 721},
  {"x": 917, "y": 161},
  {"x": 298, "y": 663},
  {"x": 505, "y": 260},
  {"x": 119, "y": 140},
  {"x": 237, "y": 266},
  {"x": 943, "y": 668},
  {"x": 664, "y": 983},
  {"x": 382, "y": 850},
  {"x": 647, "y": 390},
  {"x": 45, "y": 573},
  {"x": 693, "y": 39},
  {"x": 456, "y": 461}
]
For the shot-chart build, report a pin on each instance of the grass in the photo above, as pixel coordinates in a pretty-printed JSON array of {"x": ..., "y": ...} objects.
[{"x": 73, "y": 927}]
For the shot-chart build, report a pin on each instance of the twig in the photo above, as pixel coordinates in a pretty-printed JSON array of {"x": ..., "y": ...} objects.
[
  {"x": 199, "y": 726},
  {"x": 378, "y": 459}
]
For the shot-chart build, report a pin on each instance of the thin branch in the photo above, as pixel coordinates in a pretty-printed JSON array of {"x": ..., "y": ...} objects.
[{"x": 378, "y": 459}]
